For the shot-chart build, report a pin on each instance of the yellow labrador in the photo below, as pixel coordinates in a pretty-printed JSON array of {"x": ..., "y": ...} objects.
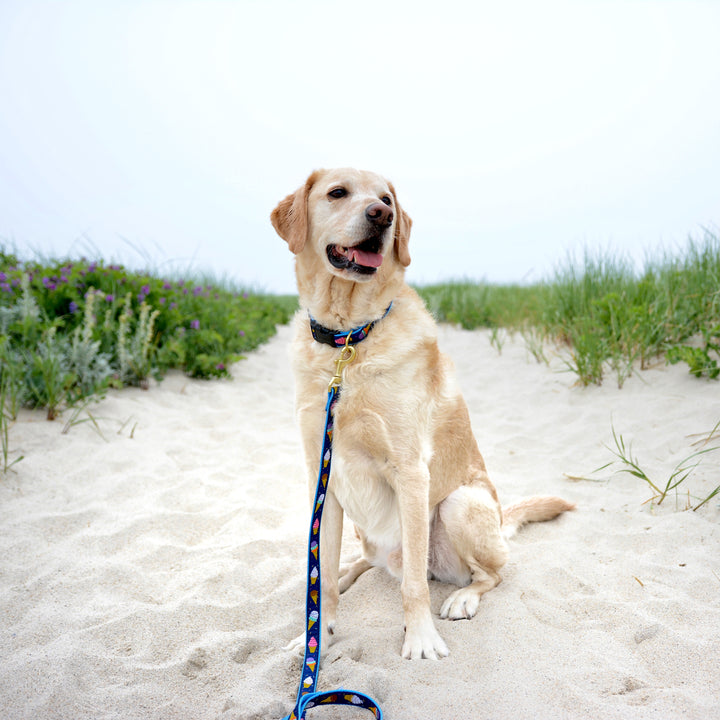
[{"x": 406, "y": 467}]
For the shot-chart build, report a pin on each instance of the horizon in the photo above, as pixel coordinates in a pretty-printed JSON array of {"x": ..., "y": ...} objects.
[{"x": 516, "y": 136}]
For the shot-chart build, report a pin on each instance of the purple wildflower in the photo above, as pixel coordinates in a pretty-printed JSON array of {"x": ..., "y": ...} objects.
[
  {"x": 3, "y": 277},
  {"x": 109, "y": 298},
  {"x": 167, "y": 286},
  {"x": 145, "y": 289},
  {"x": 241, "y": 333},
  {"x": 5, "y": 287},
  {"x": 197, "y": 291},
  {"x": 162, "y": 300},
  {"x": 195, "y": 324},
  {"x": 173, "y": 305},
  {"x": 73, "y": 307},
  {"x": 219, "y": 366}
]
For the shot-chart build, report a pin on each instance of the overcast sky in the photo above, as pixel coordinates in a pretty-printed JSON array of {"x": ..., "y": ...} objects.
[{"x": 513, "y": 131}]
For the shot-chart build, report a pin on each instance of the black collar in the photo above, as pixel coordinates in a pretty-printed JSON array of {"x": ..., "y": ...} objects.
[{"x": 338, "y": 338}]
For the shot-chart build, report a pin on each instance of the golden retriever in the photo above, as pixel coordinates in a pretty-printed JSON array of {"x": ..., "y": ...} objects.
[{"x": 406, "y": 467}]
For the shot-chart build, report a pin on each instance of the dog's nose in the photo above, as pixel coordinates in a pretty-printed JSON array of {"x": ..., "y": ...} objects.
[{"x": 379, "y": 214}]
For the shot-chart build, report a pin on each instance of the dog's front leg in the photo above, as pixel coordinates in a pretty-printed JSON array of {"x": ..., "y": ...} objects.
[
  {"x": 422, "y": 640},
  {"x": 330, "y": 543}
]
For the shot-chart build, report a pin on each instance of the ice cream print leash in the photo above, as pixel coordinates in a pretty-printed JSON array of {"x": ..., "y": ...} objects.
[{"x": 308, "y": 697}]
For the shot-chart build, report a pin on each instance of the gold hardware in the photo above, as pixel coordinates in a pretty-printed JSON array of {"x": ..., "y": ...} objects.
[{"x": 347, "y": 355}]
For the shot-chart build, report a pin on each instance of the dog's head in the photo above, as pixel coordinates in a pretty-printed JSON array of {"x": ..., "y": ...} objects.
[{"x": 349, "y": 220}]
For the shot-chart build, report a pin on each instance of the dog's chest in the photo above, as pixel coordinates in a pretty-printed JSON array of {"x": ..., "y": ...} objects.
[{"x": 367, "y": 500}]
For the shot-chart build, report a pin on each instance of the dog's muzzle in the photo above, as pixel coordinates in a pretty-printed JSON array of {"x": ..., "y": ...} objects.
[{"x": 365, "y": 257}]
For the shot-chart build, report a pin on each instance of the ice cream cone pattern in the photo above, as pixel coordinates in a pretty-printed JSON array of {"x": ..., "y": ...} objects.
[
  {"x": 312, "y": 618},
  {"x": 314, "y": 548}
]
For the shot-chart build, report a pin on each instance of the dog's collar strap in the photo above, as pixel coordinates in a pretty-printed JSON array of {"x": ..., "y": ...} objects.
[{"x": 338, "y": 338}]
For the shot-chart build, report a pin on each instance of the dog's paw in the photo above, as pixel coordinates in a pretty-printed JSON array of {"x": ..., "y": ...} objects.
[
  {"x": 296, "y": 645},
  {"x": 424, "y": 641},
  {"x": 351, "y": 572},
  {"x": 461, "y": 605}
]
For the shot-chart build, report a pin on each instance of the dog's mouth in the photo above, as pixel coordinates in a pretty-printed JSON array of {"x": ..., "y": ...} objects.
[{"x": 364, "y": 258}]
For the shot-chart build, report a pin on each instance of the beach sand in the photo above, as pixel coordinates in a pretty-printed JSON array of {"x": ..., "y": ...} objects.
[{"x": 156, "y": 571}]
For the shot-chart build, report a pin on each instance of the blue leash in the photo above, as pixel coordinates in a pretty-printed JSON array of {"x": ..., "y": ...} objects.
[{"x": 307, "y": 696}]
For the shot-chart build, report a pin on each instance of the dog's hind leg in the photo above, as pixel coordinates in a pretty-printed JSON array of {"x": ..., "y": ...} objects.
[
  {"x": 469, "y": 547},
  {"x": 350, "y": 572}
]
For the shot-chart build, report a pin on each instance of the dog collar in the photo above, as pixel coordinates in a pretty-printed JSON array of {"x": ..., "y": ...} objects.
[{"x": 337, "y": 338}]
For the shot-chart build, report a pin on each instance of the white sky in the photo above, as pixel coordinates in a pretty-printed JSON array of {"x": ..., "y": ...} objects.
[{"x": 513, "y": 131}]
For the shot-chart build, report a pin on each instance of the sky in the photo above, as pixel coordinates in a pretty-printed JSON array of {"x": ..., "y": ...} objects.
[{"x": 163, "y": 133}]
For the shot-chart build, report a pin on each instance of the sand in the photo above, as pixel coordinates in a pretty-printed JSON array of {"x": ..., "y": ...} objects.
[{"x": 157, "y": 570}]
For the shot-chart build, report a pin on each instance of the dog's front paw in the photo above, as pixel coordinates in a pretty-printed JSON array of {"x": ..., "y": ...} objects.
[
  {"x": 296, "y": 645},
  {"x": 424, "y": 641}
]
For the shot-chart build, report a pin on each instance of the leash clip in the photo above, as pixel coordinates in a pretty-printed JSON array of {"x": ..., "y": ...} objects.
[{"x": 347, "y": 355}]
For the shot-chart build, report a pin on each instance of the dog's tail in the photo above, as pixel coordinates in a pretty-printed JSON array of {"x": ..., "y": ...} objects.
[{"x": 533, "y": 509}]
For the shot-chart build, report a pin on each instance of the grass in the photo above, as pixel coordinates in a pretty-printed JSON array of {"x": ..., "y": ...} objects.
[
  {"x": 610, "y": 317},
  {"x": 71, "y": 329},
  {"x": 678, "y": 475}
]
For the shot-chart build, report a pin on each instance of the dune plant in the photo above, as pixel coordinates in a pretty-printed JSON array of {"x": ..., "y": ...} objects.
[
  {"x": 136, "y": 346},
  {"x": 703, "y": 360},
  {"x": 91, "y": 367},
  {"x": 608, "y": 318},
  {"x": 68, "y": 329},
  {"x": 4, "y": 427},
  {"x": 679, "y": 474},
  {"x": 49, "y": 377}
]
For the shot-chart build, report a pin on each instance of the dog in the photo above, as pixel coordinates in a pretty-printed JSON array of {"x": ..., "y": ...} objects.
[{"x": 406, "y": 467}]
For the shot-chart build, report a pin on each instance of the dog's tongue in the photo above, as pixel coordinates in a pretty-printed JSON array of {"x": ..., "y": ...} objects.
[{"x": 366, "y": 259}]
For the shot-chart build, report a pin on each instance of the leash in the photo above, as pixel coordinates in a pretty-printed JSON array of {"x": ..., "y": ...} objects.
[{"x": 308, "y": 697}]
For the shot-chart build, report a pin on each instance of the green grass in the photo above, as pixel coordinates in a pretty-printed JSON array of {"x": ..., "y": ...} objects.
[
  {"x": 678, "y": 475},
  {"x": 610, "y": 316},
  {"x": 71, "y": 329}
]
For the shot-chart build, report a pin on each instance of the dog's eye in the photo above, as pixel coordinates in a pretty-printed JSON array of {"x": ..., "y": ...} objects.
[
  {"x": 387, "y": 200},
  {"x": 337, "y": 193}
]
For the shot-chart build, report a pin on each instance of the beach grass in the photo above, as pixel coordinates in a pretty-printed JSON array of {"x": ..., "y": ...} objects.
[
  {"x": 629, "y": 463},
  {"x": 611, "y": 316}
]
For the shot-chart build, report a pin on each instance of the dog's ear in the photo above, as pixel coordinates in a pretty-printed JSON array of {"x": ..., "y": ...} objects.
[
  {"x": 289, "y": 218},
  {"x": 402, "y": 232}
]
